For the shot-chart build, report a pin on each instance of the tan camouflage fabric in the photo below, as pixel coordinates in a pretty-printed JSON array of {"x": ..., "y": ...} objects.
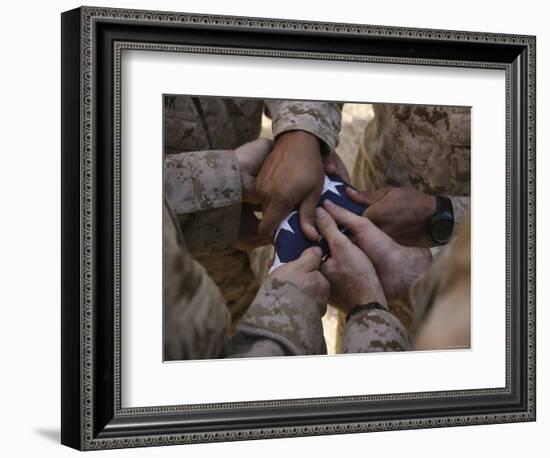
[
  {"x": 196, "y": 319},
  {"x": 215, "y": 123},
  {"x": 202, "y": 123},
  {"x": 282, "y": 320},
  {"x": 425, "y": 147},
  {"x": 441, "y": 297},
  {"x": 204, "y": 190},
  {"x": 375, "y": 331}
]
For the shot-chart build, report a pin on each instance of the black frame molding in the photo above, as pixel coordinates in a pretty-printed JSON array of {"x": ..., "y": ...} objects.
[{"x": 92, "y": 42}]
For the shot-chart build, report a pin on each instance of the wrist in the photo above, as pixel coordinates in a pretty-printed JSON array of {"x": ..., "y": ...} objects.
[
  {"x": 429, "y": 207},
  {"x": 308, "y": 142},
  {"x": 374, "y": 294}
]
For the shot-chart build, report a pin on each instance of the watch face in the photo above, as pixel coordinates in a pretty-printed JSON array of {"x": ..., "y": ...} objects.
[{"x": 442, "y": 231}]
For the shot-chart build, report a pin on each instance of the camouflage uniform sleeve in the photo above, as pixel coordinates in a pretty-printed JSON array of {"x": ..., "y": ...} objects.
[
  {"x": 196, "y": 318},
  {"x": 204, "y": 190},
  {"x": 322, "y": 119},
  {"x": 281, "y": 321},
  {"x": 375, "y": 331},
  {"x": 461, "y": 208}
]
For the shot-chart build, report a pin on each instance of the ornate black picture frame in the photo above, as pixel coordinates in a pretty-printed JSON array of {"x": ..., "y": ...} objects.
[{"x": 92, "y": 41}]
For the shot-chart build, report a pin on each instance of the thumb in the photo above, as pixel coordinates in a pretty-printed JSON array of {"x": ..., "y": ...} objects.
[
  {"x": 307, "y": 216},
  {"x": 329, "y": 230}
]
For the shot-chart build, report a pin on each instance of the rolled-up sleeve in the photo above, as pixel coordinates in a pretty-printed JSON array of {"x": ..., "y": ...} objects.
[
  {"x": 204, "y": 190},
  {"x": 281, "y": 321},
  {"x": 322, "y": 119},
  {"x": 375, "y": 331}
]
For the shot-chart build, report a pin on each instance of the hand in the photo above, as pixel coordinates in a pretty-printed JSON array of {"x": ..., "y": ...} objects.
[
  {"x": 304, "y": 274},
  {"x": 335, "y": 166},
  {"x": 397, "y": 266},
  {"x": 291, "y": 176},
  {"x": 249, "y": 235},
  {"x": 352, "y": 277},
  {"x": 250, "y": 158},
  {"x": 402, "y": 213}
]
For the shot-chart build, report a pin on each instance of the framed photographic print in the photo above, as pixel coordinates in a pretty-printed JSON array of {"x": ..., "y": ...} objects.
[{"x": 277, "y": 228}]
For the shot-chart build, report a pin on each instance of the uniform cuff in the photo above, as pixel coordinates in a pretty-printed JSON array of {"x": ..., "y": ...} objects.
[
  {"x": 375, "y": 330},
  {"x": 283, "y": 313},
  {"x": 322, "y": 119}
]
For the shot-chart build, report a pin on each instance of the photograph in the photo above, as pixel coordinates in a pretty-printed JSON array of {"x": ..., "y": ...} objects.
[
  {"x": 267, "y": 227},
  {"x": 305, "y": 227}
]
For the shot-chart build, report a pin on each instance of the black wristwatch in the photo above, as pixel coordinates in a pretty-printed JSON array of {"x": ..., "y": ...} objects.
[{"x": 441, "y": 224}]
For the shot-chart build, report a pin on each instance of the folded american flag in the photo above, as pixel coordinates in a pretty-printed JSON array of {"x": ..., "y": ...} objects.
[{"x": 290, "y": 241}]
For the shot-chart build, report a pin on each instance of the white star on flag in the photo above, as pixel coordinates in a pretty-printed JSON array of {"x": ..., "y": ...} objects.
[
  {"x": 276, "y": 263},
  {"x": 284, "y": 225},
  {"x": 329, "y": 185}
]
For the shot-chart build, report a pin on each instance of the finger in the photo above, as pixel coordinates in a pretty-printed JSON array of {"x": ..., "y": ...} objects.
[
  {"x": 310, "y": 259},
  {"x": 336, "y": 240},
  {"x": 366, "y": 197},
  {"x": 370, "y": 238},
  {"x": 307, "y": 216},
  {"x": 323, "y": 289},
  {"x": 274, "y": 212},
  {"x": 345, "y": 218},
  {"x": 330, "y": 166},
  {"x": 335, "y": 166}
]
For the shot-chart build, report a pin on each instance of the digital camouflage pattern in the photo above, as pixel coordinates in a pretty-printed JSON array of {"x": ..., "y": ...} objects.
[
  {"x": 375, "y": 331},
  {"x": 281, "y": 321},
  {"x": 202, "y": 123},
  {"x": 425, "y": 147},
  {"x": 214, "y": 123},
  {"x": 204, "y": 190}
]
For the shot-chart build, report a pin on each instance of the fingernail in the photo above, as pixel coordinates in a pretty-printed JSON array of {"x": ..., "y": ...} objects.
[
  {"x": 320, "y": 213},
  {"x": 351, "y": 190},
  {"x": 328, "y": 203},
  {"x": 317, "y": 250}
]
